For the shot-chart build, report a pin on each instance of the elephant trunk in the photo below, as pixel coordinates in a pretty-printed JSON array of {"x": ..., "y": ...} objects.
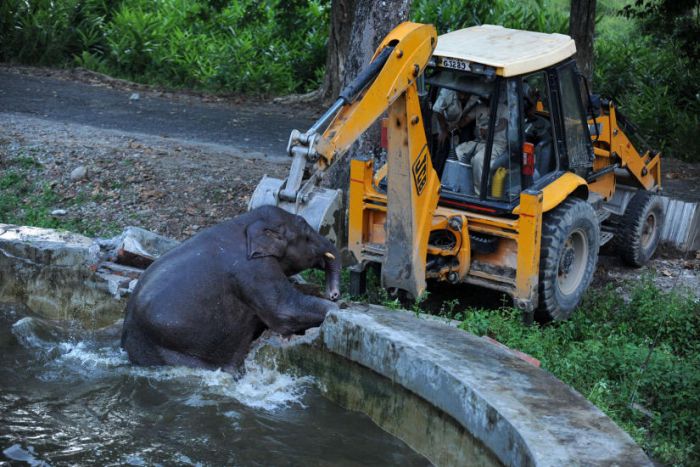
[{"x": 332, "y": 268}]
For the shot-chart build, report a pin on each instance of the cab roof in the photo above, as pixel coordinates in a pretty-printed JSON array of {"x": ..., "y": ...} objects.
[{"x": 510, "y": 51}]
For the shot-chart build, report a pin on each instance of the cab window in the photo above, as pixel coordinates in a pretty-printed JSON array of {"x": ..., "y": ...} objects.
[
  {"x": 538, "y": 127},
  {"x": 472, "y": 147},
  {"x": 578, "y": 142}
]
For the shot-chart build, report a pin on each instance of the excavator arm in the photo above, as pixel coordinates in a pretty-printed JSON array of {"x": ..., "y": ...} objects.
[
  {"x": 387, "y": 85},
  {"x": 408, "y": 48}
]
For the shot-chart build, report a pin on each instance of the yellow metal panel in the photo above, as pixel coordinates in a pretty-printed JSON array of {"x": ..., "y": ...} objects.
[
  {"x": 529, "y": 238},
  {"x": 557, "y": 191},
  {"x": 360, "y": 171},
  {"x": 412, "y": 196},
  {"x": 604, "y": 186}
]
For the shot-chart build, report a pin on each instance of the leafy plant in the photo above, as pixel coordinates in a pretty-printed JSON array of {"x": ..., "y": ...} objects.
[{"x": 638, "y": 360}]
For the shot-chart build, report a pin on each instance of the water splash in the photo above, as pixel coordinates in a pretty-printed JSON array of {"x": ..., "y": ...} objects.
[
  {"x": 17, "y": 453},
  {"x": 71, "y": 354}
]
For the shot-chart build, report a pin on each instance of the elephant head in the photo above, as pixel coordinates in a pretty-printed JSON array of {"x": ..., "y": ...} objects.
[{"x": 295, "y": 245}]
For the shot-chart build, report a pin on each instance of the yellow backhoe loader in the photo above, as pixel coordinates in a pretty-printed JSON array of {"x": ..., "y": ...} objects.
[{"x": 498, "y": 169}]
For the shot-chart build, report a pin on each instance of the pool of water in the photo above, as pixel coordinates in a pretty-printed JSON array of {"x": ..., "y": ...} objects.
[{"x": 70, "y": 396}]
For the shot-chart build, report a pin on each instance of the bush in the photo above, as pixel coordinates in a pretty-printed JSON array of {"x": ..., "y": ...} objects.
[
  {"x": 46, "y": 32},
  {"x": 252, "y": 47},
  {"x": 656, "y": 88},
  {"x": 623, "y": 355}
]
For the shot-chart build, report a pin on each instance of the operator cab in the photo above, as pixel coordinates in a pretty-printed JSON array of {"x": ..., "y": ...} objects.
[{"x": 503, "y": 113}]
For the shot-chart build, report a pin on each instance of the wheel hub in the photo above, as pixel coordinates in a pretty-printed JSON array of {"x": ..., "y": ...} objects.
[
  {"x": 567, "y": 259},
  {"x": 648, "y": 230},
  {"x": 572, "y": 262}
]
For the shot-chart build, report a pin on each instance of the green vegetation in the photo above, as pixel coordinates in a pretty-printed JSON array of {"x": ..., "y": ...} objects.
[
  {"x": 645, "y": 59},
  {"x": 27, "y": 200},
  {"x": 633, "y": 351},
  {"x": 252, "y": 47},
  {"x": 450, "y": 15},
  {"x": 637, "y": 360}
]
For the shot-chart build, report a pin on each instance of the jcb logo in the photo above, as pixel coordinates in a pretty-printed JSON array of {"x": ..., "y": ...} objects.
[{"x": 420, "y": 170}]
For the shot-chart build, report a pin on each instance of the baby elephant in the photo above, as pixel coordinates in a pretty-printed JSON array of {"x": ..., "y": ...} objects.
[{"x": 203, "y": 303}]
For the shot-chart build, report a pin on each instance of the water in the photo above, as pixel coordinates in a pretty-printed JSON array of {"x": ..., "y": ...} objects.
[{"x": 69, "y": 396}]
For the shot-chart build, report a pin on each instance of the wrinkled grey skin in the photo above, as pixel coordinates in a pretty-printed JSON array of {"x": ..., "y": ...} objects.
[{"x": 203, "y": 303}]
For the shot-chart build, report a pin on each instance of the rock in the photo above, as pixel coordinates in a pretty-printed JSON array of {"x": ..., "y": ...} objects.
[
  {"x": 134, "y": 96},
  {"x": 59, "y": 212},
  {"x": 132, "y": 253},
  {"x": 78, "y": 173},
  {"x": 136, "y": 247}
]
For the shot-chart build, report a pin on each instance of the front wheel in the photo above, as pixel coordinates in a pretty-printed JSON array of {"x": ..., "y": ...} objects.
[{"x": 568, "y": 257}]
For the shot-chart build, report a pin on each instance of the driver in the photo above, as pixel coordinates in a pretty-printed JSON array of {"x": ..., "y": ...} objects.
[
  {"x": 474, "y": 151},
  {"x": 451, "y": 109},
  {"x": 447, "y": 110}
]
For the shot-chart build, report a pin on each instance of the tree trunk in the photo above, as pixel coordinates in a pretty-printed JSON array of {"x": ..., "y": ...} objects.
[
  {"x": 357, "y": 28},
  {"x": 581, "y": 29}
]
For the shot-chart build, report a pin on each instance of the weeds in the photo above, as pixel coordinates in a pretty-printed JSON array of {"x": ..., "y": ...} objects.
[
  {"x": 638, "y": 360},
  {"x": 274, "y": 46}
]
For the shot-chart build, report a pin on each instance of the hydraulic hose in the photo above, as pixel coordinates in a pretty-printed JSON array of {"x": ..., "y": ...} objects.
[{"x": 350, "y": 92}]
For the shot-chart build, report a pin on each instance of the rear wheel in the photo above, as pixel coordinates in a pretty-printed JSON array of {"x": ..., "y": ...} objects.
[
  {"x": 568, "y": 258},
  {"x": 639, "y": 229}
]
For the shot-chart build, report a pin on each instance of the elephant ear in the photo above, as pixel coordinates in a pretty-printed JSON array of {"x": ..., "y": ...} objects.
[{"x": 264, "y": 239}]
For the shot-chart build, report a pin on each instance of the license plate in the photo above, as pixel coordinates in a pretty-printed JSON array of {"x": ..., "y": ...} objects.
[{"x": 453, "y": 63}]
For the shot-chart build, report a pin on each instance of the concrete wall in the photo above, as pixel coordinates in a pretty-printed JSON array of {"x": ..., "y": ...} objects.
[
  {"x": 523, "y": 414},
  {"x": 51, "y": 273}
]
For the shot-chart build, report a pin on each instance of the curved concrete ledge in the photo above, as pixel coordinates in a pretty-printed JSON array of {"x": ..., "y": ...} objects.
[
  {"x": 423, "y": 427},
  {"x": 524, "y": 415}
]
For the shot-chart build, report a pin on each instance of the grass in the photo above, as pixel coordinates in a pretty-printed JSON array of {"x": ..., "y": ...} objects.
[
  {"x": 25, "y": 199},
  {"x": 633, "y": 351}
]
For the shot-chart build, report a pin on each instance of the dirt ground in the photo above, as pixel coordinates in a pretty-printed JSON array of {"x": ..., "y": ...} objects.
[
  {"x": 177, "y": 184},
  {"x": 170, "y": 188}
]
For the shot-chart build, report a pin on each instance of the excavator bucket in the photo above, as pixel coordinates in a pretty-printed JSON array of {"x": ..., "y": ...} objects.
[{"x": 320, "y": 207}]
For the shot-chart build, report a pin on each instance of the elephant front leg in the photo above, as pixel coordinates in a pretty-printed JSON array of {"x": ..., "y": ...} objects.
[{"x": 286, "y": 310}]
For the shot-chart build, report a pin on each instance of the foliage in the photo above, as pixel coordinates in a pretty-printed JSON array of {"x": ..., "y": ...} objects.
[
  {"x": 254, "y": 47},
  {"x": 655, "y": 87},
  {"x": 535, "y": 15},
  {"x": 49, "y": 33},
  {"x": 638, "y": 360},
  {"x": 675, "y": 19}
]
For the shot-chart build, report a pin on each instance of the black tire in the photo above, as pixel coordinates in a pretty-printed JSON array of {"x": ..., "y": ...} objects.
[
  {"x": 638, "y": 231},
  {"x": 568, "y": 257}
]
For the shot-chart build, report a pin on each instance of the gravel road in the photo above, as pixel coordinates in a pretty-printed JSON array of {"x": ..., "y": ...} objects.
[{"x": 170, "y": 162}]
